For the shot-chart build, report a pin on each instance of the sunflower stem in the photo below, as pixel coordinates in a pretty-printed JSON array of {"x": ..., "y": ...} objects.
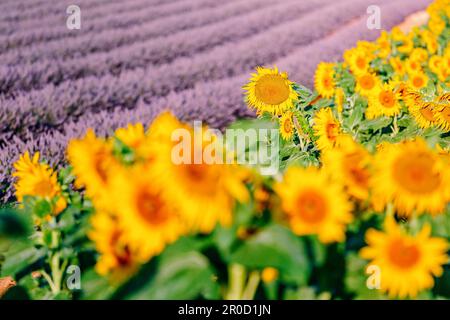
[
  {"x": 252, "y": 285},
  {"x": 236, "y": 282}
]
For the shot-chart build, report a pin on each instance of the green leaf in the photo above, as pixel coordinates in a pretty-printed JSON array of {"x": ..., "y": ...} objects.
[
  {"x": 96, "y": 287},
  {"x": 20, "y": 255},
  {"x": 14, "y": 224},
  {"x": 185, "y": 276},
  {"x": 376, "y": 124},
  {"x": 275, "y": 246}
]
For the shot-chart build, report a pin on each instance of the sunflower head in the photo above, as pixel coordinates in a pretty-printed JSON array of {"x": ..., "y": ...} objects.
[
  {"x": 38, "y": 180},
  {"x": 407, "y": 263},
  {"x": 418, "y": 80},
  {"x": 207, "y": 191},
  {"x": 349, "y": 164},
  {"x": 134, "y": 137},
  {"x": 270, "y": 91},
  {"x": 412, "y": 177},
  {"x": 384, "y": 101},
  {"x": 423, "y": 113},
  {"x": 117, "y": 258},
  {"x": 327, "y": 128},
  {"x": 324, "y": 79},
  {"x": 287, "y": 126},
  {"x": 314, "y": 204},
  {"x": 149, "y": 221},
  {"x": 92, "y": 161},
  {"x": 366, "y": 84}
]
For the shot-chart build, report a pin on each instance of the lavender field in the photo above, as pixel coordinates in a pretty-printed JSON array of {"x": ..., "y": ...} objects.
[{"x": 132, "y": 59}]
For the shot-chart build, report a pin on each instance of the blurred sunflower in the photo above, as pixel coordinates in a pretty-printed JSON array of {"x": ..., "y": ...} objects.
[
  {"x": 314, "y": 204},
  {"x": 26, "y": 164},
  {"x": 324, "y": 80},
  {"x": 270, "y": 91},
  {"x": 366, "y": 84},
  {"x": 287, "y": 126},
  {"x": 349, "y": 165},
  {"x": 135, "y": 138},
  {"x": 383, "y": 102},
  {"x": 117, "y": 258},
  {"x": 412, "y": 177},
  {"x": 418, "y": 80},
  {"x": 206, "y": 192},
  {"x": 384, "y": 45},
  {"x": 435, "y": 63},
  {"x": 326, "y": 128},
  {"x": 407, "y": 263},
  {"x": 413, "y": 66},
  {"x": 92, "y": 159},
  {"x": 419, "y": 54},
  {"x": 398, "y": 66},
  {"x": 38, "y": 180},
  {"x": 149, "y": 222},
  {"x": 339, "y": 100},
  {"x": 407, "y": 44}
]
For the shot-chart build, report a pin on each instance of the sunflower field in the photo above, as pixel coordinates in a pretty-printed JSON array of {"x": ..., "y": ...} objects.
[{"x": 359, "y": 207}]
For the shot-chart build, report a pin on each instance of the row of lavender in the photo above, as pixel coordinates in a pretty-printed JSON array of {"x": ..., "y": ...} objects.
[{"x": 196, "y": 68}]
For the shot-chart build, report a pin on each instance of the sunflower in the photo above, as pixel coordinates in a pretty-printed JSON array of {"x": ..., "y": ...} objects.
[
  {"x": 206, "y": 192},
  {"x": 38, "y": 180},
  {"x": 326, "y": 128},
  {"x": 423, "y": 113},
  {"x": 442, "y": 113},
  {"x": 407, "y": 44},
  {"x": 117, "y": 258},
  {"x": 419, "y": 54},
  {"x": 135, "y": 138},
  {"x": 358, "y": 60},
  {"x": 412, "y": 177},
  {"x": 26, "y": 164},
  {"x": 349, "y": 165},
  {"x": 418, "y": 80},
  {"x": 270, "y": 91},
  {"x": 435, "y": 63},
  {"x": 384, "y": 45},
  {"x": 92, "y": 159},
  {"x": 398, "y": 66},
  {"x": 383, "y": 102},
  {"x": 324, "y": 79},
  {"x": 413, "y": 66},
  {"x": 314, "y": 204},
  {"x": 407, "y": 263},
  {"x": 339, "y": 100},
  {"x": 287, "y": 126},
  {"x": 149, "y": 222},
  {"x": 436, "y": 25},
  {"x": 366, "y": 84}
]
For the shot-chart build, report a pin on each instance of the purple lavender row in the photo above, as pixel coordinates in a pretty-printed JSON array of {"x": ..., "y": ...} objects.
[
  {"x": 139, "y": 26},
  {"x": 54, "y": 105},
  {"x": 155, "y": 51},
  {"x": 92, "y": 20},
  {"x": 219, "y": 102},
  {"x": 48, "y": 9},
  {"x": 90, "y": 11}
]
